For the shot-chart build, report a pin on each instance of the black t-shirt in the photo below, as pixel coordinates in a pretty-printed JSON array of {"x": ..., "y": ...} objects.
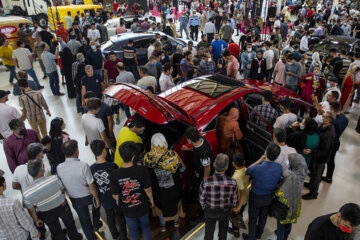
[
  {"x": 129, "y": 58},
  {"x": 105, "y": 111},
  {"x": 101, "y": 173},
  {"x": 93, "y": 84},
  {"x": 46, "y": 37},
  {"x": 218, "y": 20},
  {"x": 129, "y": 184},
  {"x": 202, "y": 158},
  {"x": 94, "y": 58},
  {"x": 323, "y": 229}
]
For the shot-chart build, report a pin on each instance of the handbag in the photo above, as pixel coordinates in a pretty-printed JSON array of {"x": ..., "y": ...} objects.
[
  {"x": 237, "y": 221},
  {"x": 278, "y": 210}
]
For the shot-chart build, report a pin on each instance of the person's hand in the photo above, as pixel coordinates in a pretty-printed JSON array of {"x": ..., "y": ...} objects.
[
  {"x": 315, "y": 86},
  {"x": 86, "y": 143},
  {"x": 48, "y": 113},
  {"x": 306, "y": 151},
  {"x": 39, "y": 223},
  {"x": 112, "y": 150},
  {"x": 97, "y": 202},
  {"x": 83, "y": 104},
  {"x": 36, "y": 236},
  {"x": 185, "y": 148},
  {"x": 23, "y": 111},
  {"x": 152, "y": 203},
  {"x": 295, "y": 124}
]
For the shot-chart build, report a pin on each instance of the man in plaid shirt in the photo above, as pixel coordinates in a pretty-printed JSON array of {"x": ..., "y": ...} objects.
[
  {"x": 218, "y": 197},
  {"x": 266, "y": 111}
]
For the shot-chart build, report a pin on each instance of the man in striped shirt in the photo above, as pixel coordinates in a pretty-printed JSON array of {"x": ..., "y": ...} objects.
[
  {"x": 130, "y": 59},
  {"x": 34, "y": 103},
  {"x": 46, "y": 202}
]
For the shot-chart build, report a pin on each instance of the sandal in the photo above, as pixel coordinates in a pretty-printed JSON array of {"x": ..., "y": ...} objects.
[
  {"x": 176, "y": 224},
  {"x": 163, "y": 229}
]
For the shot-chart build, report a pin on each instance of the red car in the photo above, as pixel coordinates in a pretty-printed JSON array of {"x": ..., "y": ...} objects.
[{"x": 198, "y": 103}]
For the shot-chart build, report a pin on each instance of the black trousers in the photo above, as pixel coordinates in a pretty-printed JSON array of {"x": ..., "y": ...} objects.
[
  {"x": 194, "y": 30},
  {"x": 122, "y": 224},
  {"x": 315, "y": 176},
  {"x": 51, "y": 219},
  {"x": 111, "y": 214},
  {"x": 238, "y": 28},
  {"x": 209, "y": 37},
  {"x": 331, "y": 163},
  {"x": 212, "y": 216}
]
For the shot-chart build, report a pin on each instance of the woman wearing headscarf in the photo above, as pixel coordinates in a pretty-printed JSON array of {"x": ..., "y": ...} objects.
[
  {"x": 303, "y": 137},
  {"x": 165, "y": 167},
  {"x": 315, "y": 61},
  {"x": 289, "y": 194},
  {"x": 58, "y": 137},
  {"x": 348, "y": 88},
  {"x": 312, "y": 84},
  {"x": 67, "y": 59}
]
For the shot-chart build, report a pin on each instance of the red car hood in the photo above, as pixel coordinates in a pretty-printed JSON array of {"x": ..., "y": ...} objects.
[
  {"x": 150, "y": 106},
  {"x": 274, "y": 88}
]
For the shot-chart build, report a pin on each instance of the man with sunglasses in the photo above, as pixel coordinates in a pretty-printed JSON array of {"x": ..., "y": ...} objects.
[{"x": 335, "y": 226}]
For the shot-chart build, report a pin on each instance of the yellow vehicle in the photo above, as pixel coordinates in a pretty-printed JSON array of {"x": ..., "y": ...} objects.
[
  {"x": 59, "y": 13},
  {"x": 9, "y": 26}
]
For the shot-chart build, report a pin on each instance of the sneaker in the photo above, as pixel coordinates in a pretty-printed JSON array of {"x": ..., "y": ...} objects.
[
  {"x": 176, "y": 224},
  {"x": 325, "y": 179},
  {"x": 40, "y": 87},
  {"x": 63, "y": 83},
  {"x": 245, "y": 236},
  {"x": 231, "y": 231},
  {"x": 61, "y": 94},
  {"x": 309, "y": 196}
]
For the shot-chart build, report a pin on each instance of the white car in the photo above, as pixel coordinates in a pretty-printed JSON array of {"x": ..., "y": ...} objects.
[{"x": 111, "y": 24}]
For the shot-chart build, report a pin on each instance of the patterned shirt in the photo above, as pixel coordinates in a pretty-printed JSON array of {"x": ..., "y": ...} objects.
[
  {"x": 218, "y": 191},
  {"x": 44, "y": 194},
  {"x": 207, "y": 67},
  {"x": 15, "y": 223},
  {"x": 33, "y": 112},
  {"x": 266, "y": 112}
]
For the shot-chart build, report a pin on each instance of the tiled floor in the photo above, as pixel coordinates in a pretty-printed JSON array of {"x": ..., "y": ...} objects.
[{"x": 344, "y": 189}]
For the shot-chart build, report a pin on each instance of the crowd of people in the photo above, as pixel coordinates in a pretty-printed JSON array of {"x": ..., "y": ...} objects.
[{"x": 127, "y": 180}]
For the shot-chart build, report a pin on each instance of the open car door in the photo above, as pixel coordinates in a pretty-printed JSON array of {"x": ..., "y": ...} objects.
[{"x": 150, "y": 106}]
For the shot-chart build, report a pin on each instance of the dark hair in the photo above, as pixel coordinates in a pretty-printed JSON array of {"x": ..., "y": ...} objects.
[
  {"x": 238, "y": 159},
  {"x": 55, "y": 127},
  {"x": 130, "y": 41},
  {"x": 69, "y": 148},
  {"x": 311, "y": 47},
  {"x": 167, "y": 67},
  {"x": 268, "y": 95},
  {"x": 187, "y": 53},
  {"x": 150, "y": 88},
  {"x": 21, "y": 25},
  {"x": 34, "y": 167},
  {"x": 292, "y": 43},
  {"x": 333, "y": 50},
  {"x": 120, "y": 66},
  {"x": 267, "y": 43},
  {"x": 143, "y": 69},
  {"x": 192, "y": 133},
  {"x": 290, "y": 56},
  {"x": 357, "y": 54},
  {"x": 138, "y": 122},
  {"x": 23, "y": 83},
  {"x": 89, "y": 94},
  {"x": 310, "y": 125},
  {"x": 97, "y": 147},
  {"x": 226, "y": 53},
  {"x": 45, "y": 140},
  {"x": 93, "y": 103},
  {"x": 69, "y": 12},
  {"x": 2, "y": 181},
  {"x": 280, "y": 135},
  {"x": 275, "y": 42},
  {"x": 128, "y": 150},
  {"x": 343, "y": 52},
  {"x": 335, "y": 106},
  {"x": 72, "y": 36},
  {"x": 273, "y": 151},
  {"x": 350, "y": 212},
  {"x": 112, "y": 53},
  {"x": 285, "y": 102},
  {"x": 152, "y": 40},
  {"x": 16, "y": 123},
  {"x": 335, "y": 94},
  {"x": 164, "y": 38},
  {"x": 33, "y": 149}
]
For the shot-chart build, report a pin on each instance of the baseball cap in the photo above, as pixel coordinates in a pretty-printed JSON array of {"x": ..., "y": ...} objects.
[{"x": 3, "y": 93}]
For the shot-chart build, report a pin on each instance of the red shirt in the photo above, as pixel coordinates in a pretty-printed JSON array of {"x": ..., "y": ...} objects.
[
  {"x": 115, "y": 6},
  {"x": 309, "y": 13},
  {"x": 110, "y": 66},
  {"x": 63, "y": 33}
]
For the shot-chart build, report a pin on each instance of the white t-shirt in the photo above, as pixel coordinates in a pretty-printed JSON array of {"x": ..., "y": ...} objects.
[
  {"x": 22, "y": 176},
  {"x": 150, "y": 50},
  {"x": 269, "y": 56},
  {"x": 165, "y": 82},
  {"x": 8, "y": 113},
  {"x": 92, "y": 35},
  {"x": 325, "y": 106},
  {"x": 22, "y": 56},
  {"x": 285, "y": 120},
  {"x": 147, "y": 81},
  {"x": 93, "y": 126},
  {"x": 193, "y": 51}
]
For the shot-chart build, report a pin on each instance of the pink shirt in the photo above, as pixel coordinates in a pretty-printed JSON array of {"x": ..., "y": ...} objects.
[
  {"x": 279, "y": 69},
  {"x": 232, "y": 66}
]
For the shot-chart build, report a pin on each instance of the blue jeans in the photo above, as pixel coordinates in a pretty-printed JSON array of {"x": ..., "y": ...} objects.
[
  {"x": 12, "y": 73},
  {"x": 78, "y": 102},
  {"x": 163, "y": 222},
  {"x": 258, "y": 208},
  {"x": 246, "y": 73},
  {"x": 184, "y": 27},
  {"x": 135, "y": 223},
  {"x": 54, "y": 82},
  {"x": 283, "y": 230},
  {"x": 32, "y": 74}
]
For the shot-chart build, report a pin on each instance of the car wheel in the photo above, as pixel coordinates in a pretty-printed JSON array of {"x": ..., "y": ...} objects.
[{"x": 42, "y": 20}]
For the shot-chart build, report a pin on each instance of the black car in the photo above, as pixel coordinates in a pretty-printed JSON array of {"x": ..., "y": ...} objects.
[
  {"x": 339, "y": 42},
  {"x": 141, "y": 43}
]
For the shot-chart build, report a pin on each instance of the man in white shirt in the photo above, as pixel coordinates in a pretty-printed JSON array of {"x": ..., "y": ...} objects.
[
  {"x": 8, "y": 113},
  {"x": 68, "y": 20},
  {"x": 93, "y": 34},
  {"x": 191, "y": 49},
  {"x": 210, "y": 30},
  {"x": 324, "y": 106},
  {"x": 166, "y": 81},
  {"x": 304, "y": 45},
  {"x": 280, "y": 139},
  {"x": 94, "y": 127},
  {"x": 146, "y": 81},
  {"x": 287, "y": 118},
  {"x": 269, "y": 58},
  {"x": 151, "y": 47}
]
